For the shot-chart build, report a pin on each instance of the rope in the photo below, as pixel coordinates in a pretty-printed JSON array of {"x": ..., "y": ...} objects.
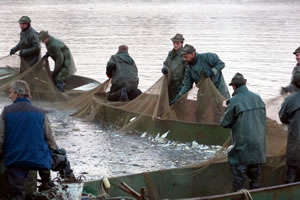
[{"x": 246, "y": 193}]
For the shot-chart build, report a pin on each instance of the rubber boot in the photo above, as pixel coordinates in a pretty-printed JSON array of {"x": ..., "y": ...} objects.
[
  {"x": 254, "y": 175},
  {"x": 239, "y": 175},
  {"x": 124, "y": 95},
  {"x": 290, "y": 176}
]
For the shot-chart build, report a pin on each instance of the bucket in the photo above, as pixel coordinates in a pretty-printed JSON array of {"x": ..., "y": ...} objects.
[{"x": 70, "y": 191}]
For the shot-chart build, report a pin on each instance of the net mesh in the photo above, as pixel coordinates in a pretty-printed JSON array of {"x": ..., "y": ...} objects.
[{"x": 195, "y": 115}]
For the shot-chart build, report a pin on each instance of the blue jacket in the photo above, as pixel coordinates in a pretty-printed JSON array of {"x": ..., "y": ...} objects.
[{"x": 25, "y": 144}]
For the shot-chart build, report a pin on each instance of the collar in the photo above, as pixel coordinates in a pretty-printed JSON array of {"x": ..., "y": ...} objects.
[
  {"x": 22, "y": 99},
  {"x": 239, "y": 90}
]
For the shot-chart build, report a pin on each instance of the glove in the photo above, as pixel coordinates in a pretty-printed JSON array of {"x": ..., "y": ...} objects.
[
  {"x": 165, "y": 71},
  {"x": 45, "y": 56},
  {"x": 60, "y": 151},
  {"x": 12, "y": 52},
  {"x": 208, "y": 73},
  {"x": 21, "y": 53},
  {"x": 174, "y": 100}
]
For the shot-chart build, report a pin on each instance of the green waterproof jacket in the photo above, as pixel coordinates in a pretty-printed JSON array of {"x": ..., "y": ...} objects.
[
  {"x": 29, "y": 46},
  {"x": 290, "y": 114},
  {"x": 123, "y": 72},
  {"x": 176, "y": 69},
  {"x": 193, "y": 73},
  {"x": 290, "y": 87},
  {"x": 246, "y": 116},
  {"x": 64, "y": 63}
]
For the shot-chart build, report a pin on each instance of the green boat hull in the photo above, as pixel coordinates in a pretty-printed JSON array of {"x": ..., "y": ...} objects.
[
  {"x": 202, "y": 183},
  {"x": 181, "y": 131}
]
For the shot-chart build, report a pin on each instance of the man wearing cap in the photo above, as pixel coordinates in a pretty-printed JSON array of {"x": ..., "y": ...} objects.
[
  {"x": 27, "y": 142},
  {"x": 290, "y": 114},
  {"x": 60, "y": 53},
  {"x": 29, "y": 45},
  {"x": 246, "y": 116},
  {"x": 123, "y": 72},
  {"x": 174, "y": 66},
  {"x": 207, "y": 63},
  {"x": 290, "y": 88}
]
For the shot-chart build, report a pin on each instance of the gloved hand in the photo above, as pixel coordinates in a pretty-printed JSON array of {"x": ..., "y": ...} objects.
[
  {"x": 12, "y": 52},
  {"x": 174, "y": 100},
  {"x": 45, "y": 56},
  {"x": 60, "y": 151},
  {"x": 21, "y": 53},
  {"x": 208, "y": 73},
  {"x": 165, "y": 71}
]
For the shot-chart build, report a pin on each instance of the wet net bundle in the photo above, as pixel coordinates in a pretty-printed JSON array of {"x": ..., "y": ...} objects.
[{"x": 37, "y": 76}]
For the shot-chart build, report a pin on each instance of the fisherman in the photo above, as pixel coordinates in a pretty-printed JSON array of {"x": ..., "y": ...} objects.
[
  {"x": 290, "y": 88},
  {"x": 123, "y": 72},
  {"x": 27, "y": 142},
  {"x": 29, "y": 45},
  {"x": 290, "y": 114},
  {"x": 174, "y": 66},
  {"x": 246, "y": 116},
  {"x": 60, "y": 53},
  {"x": 208, "y": 63}
]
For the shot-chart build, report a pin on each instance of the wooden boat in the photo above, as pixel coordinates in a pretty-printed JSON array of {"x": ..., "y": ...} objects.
[
  {"x": 74, "y": 84},
  {"x": 212, "y": 182}
]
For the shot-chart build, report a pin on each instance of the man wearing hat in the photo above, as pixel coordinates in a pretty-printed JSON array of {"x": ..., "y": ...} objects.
[
  {"x": 246, "y": 116},
  {"x": 290, "y": 88},
  {"x": 174, "y": 66},
  {"x": 123, "y": 72},
  {"x": 29, "y": 45},
  {"x": 60, "y": 53},
  {"x": 27, "y": 142},
  {"x": 290, "y": 114},
  {"x": 207, "y": 63}
]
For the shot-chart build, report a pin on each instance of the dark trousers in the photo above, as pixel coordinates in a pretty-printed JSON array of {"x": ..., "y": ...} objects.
[
  {"x": 131, "y": 93},
  {"x": 240, "y": 174},
  {"x": 16, "y": 181},
  {"x": 290, "y": 174}
]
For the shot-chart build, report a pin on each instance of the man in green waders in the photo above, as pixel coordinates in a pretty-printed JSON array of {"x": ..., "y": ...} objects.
[
  {"x": 209, "y": 64},
  {"x": 246, "y": 116},
  {"x": 290, "y": 88},
  {"x": 29, "y": 45},
  {"x": 174, "y": 67},
  {"x": 123, "y": 72},
  {"x": 60, "y": 53},
  {"x": 290, "y": 114}
]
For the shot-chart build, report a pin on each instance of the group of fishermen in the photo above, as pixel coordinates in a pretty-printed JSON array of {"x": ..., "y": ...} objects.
[{"x": 245, "y": 113}]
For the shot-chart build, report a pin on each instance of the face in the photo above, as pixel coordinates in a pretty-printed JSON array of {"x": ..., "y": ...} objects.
[
  {"x": 177, "y": 45},
  {"x": 23, "y": 26},
  {"x": 298, "y": 57},
  {"x": 13, "y": 96},
  {"x": 189, "y": 58},
  {"x": 45, "y": 41},
  {"x": 233, "y": 87}
]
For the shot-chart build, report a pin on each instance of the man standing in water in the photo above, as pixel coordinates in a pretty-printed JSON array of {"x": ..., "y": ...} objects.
[
  {"x": 208, "y": 63},
  {"x": 290, "y": 114},
  {"x": 290, "y": 88},
  {"x": 174, "y": 67},
  {"x": 246, "y": 116},
  {"x": 123, "y": 72},
  {"x": 27, "y": 142},
  {"x": 29, "y": 45},
  {"x": 60, "y": 53}
]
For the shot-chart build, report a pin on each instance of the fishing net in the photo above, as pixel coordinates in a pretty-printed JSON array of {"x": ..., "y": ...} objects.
[
  {"x": 195, "y": 116},
  {"x": 202, "y": 107}
]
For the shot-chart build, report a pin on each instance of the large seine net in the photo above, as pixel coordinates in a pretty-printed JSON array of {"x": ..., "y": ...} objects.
[{"x": 201, "y": 106}]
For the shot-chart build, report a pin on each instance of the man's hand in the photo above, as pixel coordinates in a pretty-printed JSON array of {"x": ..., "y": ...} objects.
[
  {"x": 208, "y": 73},
  {"x": 12, "y": 52},
  {"x": 165, "y": 70}
]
